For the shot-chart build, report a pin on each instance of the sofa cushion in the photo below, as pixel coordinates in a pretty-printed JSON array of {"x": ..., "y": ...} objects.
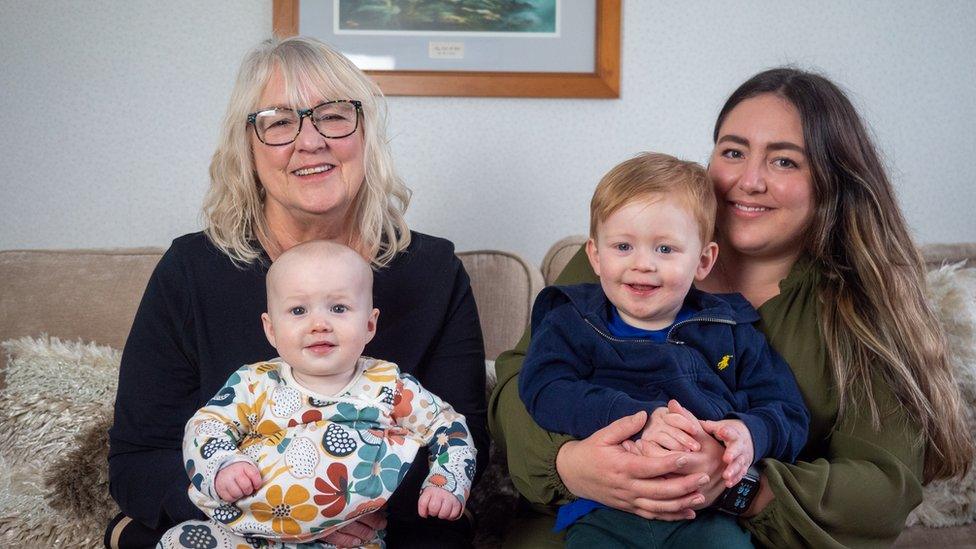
[
  {"x": 936, "y": 255},
  {"x": 90, "y": 295},
  {"x": 504, "y": 287},
  {"x": 559, "y": 255}
]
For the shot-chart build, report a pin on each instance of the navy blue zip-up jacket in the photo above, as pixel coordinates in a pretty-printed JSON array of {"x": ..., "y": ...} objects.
[{"x": 577, "y": 378}]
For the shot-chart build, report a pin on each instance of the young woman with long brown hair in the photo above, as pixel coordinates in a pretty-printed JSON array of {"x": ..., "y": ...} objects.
[{"x": 811, "y": 234}]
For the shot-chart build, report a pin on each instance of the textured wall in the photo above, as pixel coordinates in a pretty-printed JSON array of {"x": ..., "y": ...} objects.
[{"x": 111, "y": 112}]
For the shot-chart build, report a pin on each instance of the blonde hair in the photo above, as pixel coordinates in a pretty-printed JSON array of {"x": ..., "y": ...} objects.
[
  {"x": 876, "y": 321},
  {"x": 649, "y": 174},
  {"x": 234, "y": 206}
]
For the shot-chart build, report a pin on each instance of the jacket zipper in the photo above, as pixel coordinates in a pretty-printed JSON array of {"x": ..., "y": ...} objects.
[{"x": 698, "y": 319}]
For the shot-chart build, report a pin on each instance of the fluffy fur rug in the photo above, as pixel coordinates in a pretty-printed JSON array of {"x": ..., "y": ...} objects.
[
  {"x": 952, "y": 292},
  {"x": 56, "y": 408},
  {"x": 56, "y": 394}
]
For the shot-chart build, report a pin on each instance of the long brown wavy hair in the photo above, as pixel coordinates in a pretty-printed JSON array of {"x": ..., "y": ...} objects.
[{"x": 874, "y": 316}]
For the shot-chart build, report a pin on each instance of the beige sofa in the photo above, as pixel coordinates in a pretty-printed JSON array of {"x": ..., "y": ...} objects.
[{"x": 92, "y": 295}]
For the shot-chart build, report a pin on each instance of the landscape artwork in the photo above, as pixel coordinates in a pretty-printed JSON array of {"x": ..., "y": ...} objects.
[{"x": 447, "y": 16}]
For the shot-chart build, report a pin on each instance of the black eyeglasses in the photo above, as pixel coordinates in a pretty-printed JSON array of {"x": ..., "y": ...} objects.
[{"x": 332, "y": 119}]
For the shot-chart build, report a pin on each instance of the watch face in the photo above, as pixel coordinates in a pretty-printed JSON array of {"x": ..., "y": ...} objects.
[
  {"x": 743, "y": 496},
  {"x": 736, "y": 500}
]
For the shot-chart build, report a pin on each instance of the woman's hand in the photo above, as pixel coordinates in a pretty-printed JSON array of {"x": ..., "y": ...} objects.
[
  {"x": 664, "y": 487},
  {"x": 358, "y": 533}
]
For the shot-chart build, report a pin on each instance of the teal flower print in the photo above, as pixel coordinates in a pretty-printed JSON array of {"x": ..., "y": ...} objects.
[{"x": 377, "y": 471}]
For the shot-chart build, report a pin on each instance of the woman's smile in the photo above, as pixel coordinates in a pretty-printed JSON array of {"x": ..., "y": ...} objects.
[
  {"x": 748, "y": 210},
  {"x": 313, "y": 170}
]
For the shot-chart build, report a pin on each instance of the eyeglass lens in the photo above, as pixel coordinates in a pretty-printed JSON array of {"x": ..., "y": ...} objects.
[{"x": 281, "y": 126}]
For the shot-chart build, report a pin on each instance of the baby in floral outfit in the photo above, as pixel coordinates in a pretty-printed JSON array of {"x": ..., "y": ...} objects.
[{"x": 290, "y": 450}]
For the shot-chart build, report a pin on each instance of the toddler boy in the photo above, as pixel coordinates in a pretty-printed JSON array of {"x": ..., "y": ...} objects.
[{"x": 645, "y": 336}]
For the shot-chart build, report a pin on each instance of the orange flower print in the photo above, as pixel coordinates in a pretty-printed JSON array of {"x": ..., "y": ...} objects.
[
  {"x": 284, "y": 512},
  {"x": 401, "y": 402}
]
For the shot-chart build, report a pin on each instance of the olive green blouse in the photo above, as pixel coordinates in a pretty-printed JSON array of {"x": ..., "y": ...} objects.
[{"x": 852, "y": 485}]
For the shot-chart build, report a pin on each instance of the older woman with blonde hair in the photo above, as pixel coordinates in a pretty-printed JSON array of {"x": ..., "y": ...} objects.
[{"x": 302, "y": 155}]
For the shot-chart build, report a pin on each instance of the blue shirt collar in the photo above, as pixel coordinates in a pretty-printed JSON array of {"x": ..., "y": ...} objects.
[{"x": 619, "y": 328}]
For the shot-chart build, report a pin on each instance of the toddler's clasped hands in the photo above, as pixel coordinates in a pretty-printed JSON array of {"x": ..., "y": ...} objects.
[
  {"x": 669, "y": 430},
  {"x": 739, "y": 453}
]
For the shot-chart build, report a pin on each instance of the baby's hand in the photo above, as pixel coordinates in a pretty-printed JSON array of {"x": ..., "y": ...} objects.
[
  {"x": 669, "y": 431},
  {"x": 237, "y": 480},
  {"x": 437, "y": 502},
  {"x": 738, "y": 454}
]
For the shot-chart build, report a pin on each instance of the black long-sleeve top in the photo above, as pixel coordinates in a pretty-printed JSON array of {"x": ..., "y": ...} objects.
[{"x": 200, "y": 320}]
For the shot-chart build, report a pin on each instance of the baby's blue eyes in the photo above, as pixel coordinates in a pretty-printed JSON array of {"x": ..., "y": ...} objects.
[
  {"x": 301, "y": 310},
  {"x": 622, "y": 247},
  {"x": 665, "y": 249}
]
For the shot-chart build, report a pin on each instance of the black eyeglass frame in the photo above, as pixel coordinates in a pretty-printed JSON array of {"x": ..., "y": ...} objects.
[{"x": 302, "y": 113}]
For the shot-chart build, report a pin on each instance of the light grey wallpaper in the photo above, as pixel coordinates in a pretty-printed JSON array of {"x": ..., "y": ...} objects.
[{"x": 110, "y": 113}]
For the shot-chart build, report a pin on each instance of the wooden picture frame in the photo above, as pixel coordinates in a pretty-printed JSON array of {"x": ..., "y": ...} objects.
[{"x": 603, "y": 82}]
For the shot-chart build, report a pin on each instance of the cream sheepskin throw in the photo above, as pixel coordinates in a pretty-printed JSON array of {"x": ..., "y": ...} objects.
[
  {"x": 55, "y": 392},
  {"x": 57, "y": 406},
  {"x": 952, "y": 292}
]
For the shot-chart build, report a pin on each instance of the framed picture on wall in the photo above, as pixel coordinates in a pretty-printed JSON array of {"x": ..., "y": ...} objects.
[{"x": 487, "y": 48}]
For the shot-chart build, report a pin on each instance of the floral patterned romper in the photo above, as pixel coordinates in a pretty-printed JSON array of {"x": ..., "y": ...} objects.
[{"x": 325, "y": 460}]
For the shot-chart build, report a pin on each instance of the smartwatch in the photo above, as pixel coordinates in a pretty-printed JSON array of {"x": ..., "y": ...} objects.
[{"x": 737, "y": 499}]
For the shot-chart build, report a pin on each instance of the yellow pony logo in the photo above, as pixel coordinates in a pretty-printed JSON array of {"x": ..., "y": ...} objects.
[{"x": 724, "y": 363}]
